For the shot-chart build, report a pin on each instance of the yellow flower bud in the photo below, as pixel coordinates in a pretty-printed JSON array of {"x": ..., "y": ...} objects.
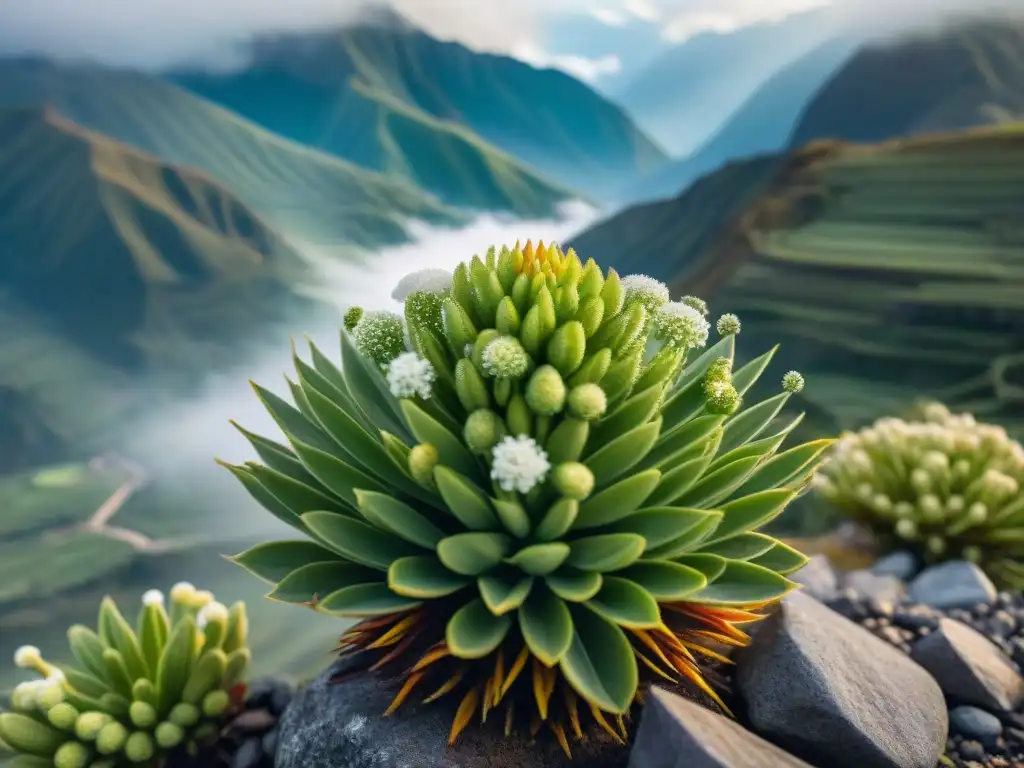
[{"x": 545, "y": 392}]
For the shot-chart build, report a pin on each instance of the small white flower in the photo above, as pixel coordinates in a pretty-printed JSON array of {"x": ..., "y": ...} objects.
[
  {"x": 645, "y": 289},
  {"x": 505, "y": 358},
  {"x": 380, "y": 335},
  {"x": 24, "y": 694},
  {"x": 409, "y": 375},
  {"x": 211, "y": 612},
  {"x": 793, "y": 382},
  {"x": 697, "y": 303},
  {"x": 182, "y": 591},
  {"x": 728, "y": 325},
  {"x": 429, "y": 280},
  {"x": 27, "y": 656},
  {"x": 681, "y": 326},
  {"x": 56, "y": 675},
  {"x": 153, "y": 597},
  {"x": 519, "y": 464}
]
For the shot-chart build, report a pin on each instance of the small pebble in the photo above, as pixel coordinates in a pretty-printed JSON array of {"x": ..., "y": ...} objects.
[
  {"x": 249, "y": 755},
  {"x": 976, "y": 723}
]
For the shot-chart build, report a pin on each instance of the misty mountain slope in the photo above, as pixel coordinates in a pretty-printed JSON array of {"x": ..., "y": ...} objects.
[
  {"x": 887, "y": 272},
  {"x": 763, "y": 123},
  {"x": 685, "y": 95},
  {"x": 308, "y": 192},
  {"x": 972, "y": 74},
  {"x": 321, "y": 90}
]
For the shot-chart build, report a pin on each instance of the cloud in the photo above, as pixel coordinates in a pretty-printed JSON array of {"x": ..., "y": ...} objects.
[
  {"x": 611, "y": 17},
  {"x": 581, "y": 67}
]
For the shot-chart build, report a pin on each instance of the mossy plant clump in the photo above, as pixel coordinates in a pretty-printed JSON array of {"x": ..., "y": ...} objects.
[
  {"x": 943, "y": 485},
  {"x": 138, "y": 694},
  {"x": 538, "y": 506}
]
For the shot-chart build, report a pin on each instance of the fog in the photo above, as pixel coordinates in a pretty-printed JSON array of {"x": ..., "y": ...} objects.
[{"x": 181, "y": 439}]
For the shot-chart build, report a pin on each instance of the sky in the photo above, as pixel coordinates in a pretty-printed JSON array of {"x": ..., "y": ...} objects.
[{"x": 158, "y": 33}]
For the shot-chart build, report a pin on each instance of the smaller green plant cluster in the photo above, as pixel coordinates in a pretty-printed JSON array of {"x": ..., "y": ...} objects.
[
  {"x": 944, "y": 486},
  {"x": 138, "y": 693}
]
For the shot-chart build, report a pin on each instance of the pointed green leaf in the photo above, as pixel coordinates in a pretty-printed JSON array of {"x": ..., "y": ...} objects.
[
  {"x": 264, "y": 497},
  {"x": 749, "y": 423},
  {"x": 390, "y": 514},
  {"x": 719, "y": 484},
  {"x": 471, "y": 554},
  {"x": 423, "y": 577},
  {"x": 693, "y": 372},
  {"x": 779, "y": 470},
  {"x": 87, "y": 648},
  {"x": 310, "y": 583},
  {"x": 741, "y": 546},
  {"x": 153, "y": 627},
  {"x": 626, "y": 603},
  {"x": 298, "y": 497},
  {"x": 361, "y": 601},
  {"x": 118, "y": 633},
  {"x": 618, "y": 501},
  {"x": 294, "y": 425},
  {"x": 666, "y": 581},
  {"x": 764, "y": 447},
  {"x": 358, "y": 541},
  {"x": 311, "y": 379},
  {"x": 660, "y": 525},
  {"x": 452, "y": 452},
  {"x": 369, "y": 389},
  {"x": 277, "y": 456},
  {"x": 503, "y": 594},
  {"x": 623, "y": 453},
  {"x": 540, "y": 559},
  {"x": 679, "y": 480},
  {"x": 465, "y": 500},
  {"x": 631, "y": 414},
  {"x": 558, "y": 519},
  {"x": 600, "y": 664},
  {"x": 688, "y": 541},
  {"x": 680, "y": 440},
  {"x": 339, "y": 477},
  {"x": 606, "y": 552},
  {"x": 274, "y": 560},
  {"x": 751, "y": 512},
  {"x": 712, "y": 566},
  {"x": 175, "y": 664},
  {"x": 782, "y": 558},
  {"x": 745, "y": 377},
  {"x": 474, "y": 632},
  {"x": 744, "y": 584},
  {"x": 326, "y": 368},
  {"x": 546, "y": 624},
  {"x": 513, "y": 517},
  {"x": 574, "y": 585}
]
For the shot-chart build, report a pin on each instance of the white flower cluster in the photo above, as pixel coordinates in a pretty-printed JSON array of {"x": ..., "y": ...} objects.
[
  {"x": 427, "y": 280},
  {"x": 519, "y": 464},
  {"x": 505, "y": 358},
  {"x": 409, "y": 375},
  {"x": 645, "y": 289},
  {"x": 681, "y": 326}
]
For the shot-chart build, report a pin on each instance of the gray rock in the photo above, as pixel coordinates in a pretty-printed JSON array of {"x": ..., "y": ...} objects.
[
  {"x": 676, "y": 733},
  {"x": 969, "y": 667},
  {"x": 343, "y": 726},
  {"x": 829, "y": 691},
  {"x": 901, "y": 564},
  {"x": 974, "y": 723},
  {"x": 956, "y": 584},
  {"x": 884, "y": 589},
  {"x": 818, "y": 578}
]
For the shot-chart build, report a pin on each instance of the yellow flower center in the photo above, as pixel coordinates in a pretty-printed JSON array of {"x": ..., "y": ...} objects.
[{"x": 546, "y": 260}]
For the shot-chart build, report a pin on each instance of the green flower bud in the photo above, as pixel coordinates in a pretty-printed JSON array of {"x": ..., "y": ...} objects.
[
  {"x": 634, "y": 329},
  {"x": 169, "y": 735},
  {"x": 587, "y": 402},
  {"x": 518, "y": 417},
  {"x": 423, "y": 311},
  {"x": 139, "y": 748},
  {"x": 111, "y": 738},
  {"x": 49, "y": 696},
  {"x": 728, "y": 325},
  {"x": 470, "y": 386},
  {"x": 71, "y": 754},
  {"x": 590, "y": 315},
  {"x": 567, "y": 347},
  {"x": 477, "y": 348},
  {"x": 545, "y": 392},
  {"x": 612, "y": 294},
  {"x": 698, "y": 304},
  {"x": 505, "y": 358},
  {"x": 89, "y": 724},
  {"x": 573, "y": 480},
  {"x": 568, "y": 441},
  {"x": 906, "y": 528},
  {"x": 661, "y": 369},
  {"x": 719, "y": 370},
  {"x": 506, "y": 319},
  {"x": 488, "y": 294},
  {"x": 567, "y": 302},
  {"x": 458, "y": 327},
  {"x": 423, "y": 459},
  {"x": 622, "y": 376},
  {"x": 520, "y": 294},
  {"x": 548, "y": 316},
  {"x": 722, "y": 397},
  {"x": 352, "y": 317},
  {"x": 936, "y": 545},
  {"x": 793, "y": 382},
  {"x": 506, "y": 269},
  {"x": 380, "y": 336},
  {"x": 63, "y": 716},
  {"x": 591, "y": 282},
  {"x": 971, "y": 554},
  {"x": 186, "y": 715},
  {"x": 483, "y": 430},
  {"x": 594, "y": 368},
  {"x": 462, "y": 289},
  {"x": 142, "y": 714},
  {"x": 215, "y": 703},
  {"x": 532, "y": 332}
]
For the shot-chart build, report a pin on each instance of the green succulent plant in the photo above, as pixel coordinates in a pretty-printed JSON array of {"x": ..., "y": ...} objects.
[
  {"x": 942, "y": 485},
  {"x": 539, "y": 507},
  {"x": 137, "y": 694}
]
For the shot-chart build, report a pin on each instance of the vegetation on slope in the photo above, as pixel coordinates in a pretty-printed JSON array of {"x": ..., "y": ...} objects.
[
  {"x": 887, "y": 272},
  {"x": 359, "y": 92}
]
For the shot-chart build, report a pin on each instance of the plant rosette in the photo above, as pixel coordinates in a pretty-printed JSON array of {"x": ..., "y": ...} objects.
[
  {"x": 137, "y": 694},
  {"x": 527, "y": 495}
]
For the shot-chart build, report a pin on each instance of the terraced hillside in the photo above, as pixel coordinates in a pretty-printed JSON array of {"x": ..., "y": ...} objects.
[
  {"x": 383, "y": 94},
  {"x": 887, "y": 272},
  {"x": 317, "y": 196}
]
